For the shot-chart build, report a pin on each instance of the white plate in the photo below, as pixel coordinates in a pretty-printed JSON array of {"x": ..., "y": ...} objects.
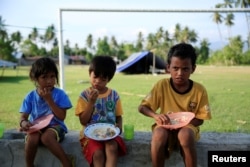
[
  {"x": 101, "y": 131},
  {"x": 40, "y": 123},
  {"x": 179, "y": 119}
]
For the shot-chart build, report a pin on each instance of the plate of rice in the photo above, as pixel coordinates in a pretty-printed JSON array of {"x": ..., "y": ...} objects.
[{"x": 101, "y": 131}]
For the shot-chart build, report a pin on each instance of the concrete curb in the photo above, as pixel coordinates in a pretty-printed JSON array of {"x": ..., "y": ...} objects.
[{"x": 12, "y": 149}]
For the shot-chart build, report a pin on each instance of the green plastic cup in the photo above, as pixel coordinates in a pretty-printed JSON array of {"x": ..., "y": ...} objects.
[
  {"x": 1, "y": 130},
  {"x": 128, "y": 132}
]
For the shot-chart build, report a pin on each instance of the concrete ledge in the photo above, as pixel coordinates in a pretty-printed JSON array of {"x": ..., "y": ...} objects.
[{"x": 12, "y": 149}]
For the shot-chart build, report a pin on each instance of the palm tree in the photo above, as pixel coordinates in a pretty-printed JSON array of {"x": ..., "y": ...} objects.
[
  {"x": 177, "y": 33},
  {"x": 245, "y": 4},
  {"x": 3, "y": 32},
  {"x": 217, "y": 18},
  {"x": 139, "y": 42},
  {"x": 230, "y": 16},
  {"x": 229, "y": 22},
  {"x": 2, "y": 25},
  {"x": 49, "y": 34},
  {"x": 203, "y": 51},
  {"x": 67, "y": 49},
  {"x": 34, "y": 34},
  {"x": 184, "y": 35},
  {"x": 151, "y": 41},
  {"x": 16, "y": 38},
  {"x": 89, "y": 42},
  {"x": 114, "y": 47},
  {"x": 159, "y": 35}
]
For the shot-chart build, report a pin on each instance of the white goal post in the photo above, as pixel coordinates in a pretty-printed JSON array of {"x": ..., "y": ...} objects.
[{"x": 61, "y": 10}]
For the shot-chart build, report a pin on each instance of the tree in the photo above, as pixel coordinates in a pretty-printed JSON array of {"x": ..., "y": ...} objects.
[
  {"x": 29, "y": 48},
  {"x": 151, "y": 41},
  {"x": 177, "y": 33},
  {"x": 89, "y": 42},
  {"x": 103, "y": 46},
  {"x": 203, "y": 54},
  {"x": 3, "y": 32},
  {"x": 6, "y": 46},
  {"x": 139, "y": 42},
  {"x": 217, "y": 18},
  {"x": 34, "y": 34},
  {"x": 184, "y": 35},
  {"x": 231, "y": 54},
  {"x": 229, "y": 22},
  {"x": 16, "y": 38},
  {"x": 245, "y": 4},
  {"x": 67, "y": 49},
  {"x": 114, "y": 47},
  {"x": 49, "y": 34}
]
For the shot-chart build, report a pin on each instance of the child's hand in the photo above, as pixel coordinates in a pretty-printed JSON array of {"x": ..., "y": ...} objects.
[
  {"x": 45, "y": 93},
  {"x": 118, "y": 126},
  {"x": 25, "y": 125},
  {"x": 93, "y": 95},
  {"x": 162, "y": 119}
]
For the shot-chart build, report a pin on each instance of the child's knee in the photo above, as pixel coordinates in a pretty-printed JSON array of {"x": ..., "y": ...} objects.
[
  {"x": 160, "y": 134},
  {"x": 111, "y": 146},
  {"x": 99, "y": 155}
]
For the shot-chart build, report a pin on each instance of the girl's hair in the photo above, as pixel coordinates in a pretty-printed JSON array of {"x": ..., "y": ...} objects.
[
  {"x": 183, "y": 51},
  {"x": 103, "y": 66},
  {"x": 43, "y": 66}
]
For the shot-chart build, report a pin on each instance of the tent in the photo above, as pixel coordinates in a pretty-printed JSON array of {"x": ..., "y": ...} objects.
[
  {"x": 4, "y": 63},
  {"x": 140, "y": 63}
]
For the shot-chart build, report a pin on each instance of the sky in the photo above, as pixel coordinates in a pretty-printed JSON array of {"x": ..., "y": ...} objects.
[{"x": 23, "y": 15}]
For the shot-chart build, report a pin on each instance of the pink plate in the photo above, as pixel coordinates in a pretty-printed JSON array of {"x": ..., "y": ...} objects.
[
  {"x": 40, "y": 123},
  {"x": 179, "y": 119}
]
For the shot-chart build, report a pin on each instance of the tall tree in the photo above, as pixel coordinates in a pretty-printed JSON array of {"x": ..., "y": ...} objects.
[
  {"x": 49, "y": 34},
  {"x": 103, "y": 46},
  {"x": 6, "y": 46},
  {"x": 245, "y": 4},
  {"x": 203, "y": 54},
  {"x": 3, "y": 32},
  {"x": 67, "y": 49},
  {"x": 151, "y": 41},
  {"x": 159, "y": 36},
  {"x": 114, "y": 47},
  {"x": 177, "y": 33},
  {"x": 16, "y": 38},
  {"x": 229, "y": 23},
  {"x": 34, "y": 34},
  {"x": 89, "y": 42},
  {"x": 217, "y": 18},
  {"x": 139, "y": 42}
]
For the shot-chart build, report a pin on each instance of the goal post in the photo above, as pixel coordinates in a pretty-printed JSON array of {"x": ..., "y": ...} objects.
[{"x": 61, "y": 10}]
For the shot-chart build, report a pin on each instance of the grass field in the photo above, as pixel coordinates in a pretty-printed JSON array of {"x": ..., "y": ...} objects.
[{"x": 228, "y": 89}]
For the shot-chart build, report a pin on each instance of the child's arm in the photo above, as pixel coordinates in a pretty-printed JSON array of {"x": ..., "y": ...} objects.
[
  {"x": 58, "y": 112},
  {"x": 160, "y": 119},
  {"x": 196, "y": 122},
  {"x": 24, "y": 122},
  {"x": 85, "y": 116},
  {"x": 119, "y": 123}
]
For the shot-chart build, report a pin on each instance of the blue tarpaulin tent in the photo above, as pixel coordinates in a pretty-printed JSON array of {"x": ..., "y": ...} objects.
[
  {"x": 4, "y": 63},
  {"x": 140, "y": 63}
]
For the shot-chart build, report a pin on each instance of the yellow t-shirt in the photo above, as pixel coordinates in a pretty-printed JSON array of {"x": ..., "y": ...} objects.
[
  {"x": 107, "y": 107},
  {"x": 165, "y": 98}
]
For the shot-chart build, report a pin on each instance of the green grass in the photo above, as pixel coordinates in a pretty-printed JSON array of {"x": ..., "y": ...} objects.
[{"x": 228, "y": 90}]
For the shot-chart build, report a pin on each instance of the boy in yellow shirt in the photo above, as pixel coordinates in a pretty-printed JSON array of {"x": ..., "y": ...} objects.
[{"x": 175, "y": 94}]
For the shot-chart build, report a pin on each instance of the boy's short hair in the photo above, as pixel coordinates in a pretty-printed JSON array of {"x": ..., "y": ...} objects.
[
  {"x": 42, "y": 66},
  {"x": 103, "y": 66},
  {"x": 183, "y": 51}
]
